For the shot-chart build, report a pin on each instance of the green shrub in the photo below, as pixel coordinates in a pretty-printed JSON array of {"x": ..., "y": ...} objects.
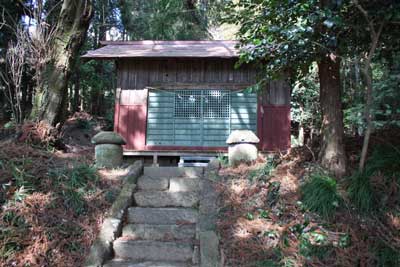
[
  {"x": 386, "y": 256},
  {"x": 319, "y": 194},
  {"x": 372, "y": 189}
]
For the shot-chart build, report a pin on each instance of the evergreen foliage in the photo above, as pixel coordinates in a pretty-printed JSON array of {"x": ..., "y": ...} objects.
[
  {"x": 319, "y": 194},
  {"x": 374, "y": 189}
]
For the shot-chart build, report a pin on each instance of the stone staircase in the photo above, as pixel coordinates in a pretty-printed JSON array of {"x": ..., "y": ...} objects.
[{"x": 160, "y": 229}]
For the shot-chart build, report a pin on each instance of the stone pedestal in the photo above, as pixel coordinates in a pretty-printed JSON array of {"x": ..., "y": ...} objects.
[
  {"x": 242, "y": 147},
  {"x": 108, "y": 150}
]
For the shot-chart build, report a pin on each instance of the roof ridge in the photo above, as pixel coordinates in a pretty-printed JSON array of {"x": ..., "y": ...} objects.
[{"x": 166, "y": 42}]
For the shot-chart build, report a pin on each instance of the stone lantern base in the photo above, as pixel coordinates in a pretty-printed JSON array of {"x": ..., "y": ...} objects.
[
  {"x": 108, "y": 150},
  {"x": 242, "y": 146},
  {"x": 108, "y": 155},
  {"x": 242, "y": 152}
]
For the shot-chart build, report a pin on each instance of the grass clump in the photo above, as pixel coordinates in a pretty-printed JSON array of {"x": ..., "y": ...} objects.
[
  {"x": 264, "y": 172},
  {"x": 386, "y": 256},
  {"x": 224, "y": 161},
  {"x": 374, "y": 189},
  {"x": 314, "y": 244},
  {"x": 75, "y": 184},
  {"x": 319, "y": 194}
]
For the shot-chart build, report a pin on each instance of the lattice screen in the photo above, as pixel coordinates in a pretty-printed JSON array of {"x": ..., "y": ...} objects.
[
  {"x": 188, "y": 103},
  {"x": 202, "y": 103},
  {"x": 216, "y": 104}
]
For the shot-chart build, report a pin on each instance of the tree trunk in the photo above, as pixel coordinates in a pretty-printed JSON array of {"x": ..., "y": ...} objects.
[
  {"x": 332, "y": 154},
  {"x": 76, "y": 98},
  {"x": 51, "y": 98},
  {"x": 366, "y": 71},
  {"x": 301, "y": 127}
]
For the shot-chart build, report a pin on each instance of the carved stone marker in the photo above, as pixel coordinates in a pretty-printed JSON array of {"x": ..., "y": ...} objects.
[
  {"x": 108, "y": 150},
  {"x": 242, "y": 147}
]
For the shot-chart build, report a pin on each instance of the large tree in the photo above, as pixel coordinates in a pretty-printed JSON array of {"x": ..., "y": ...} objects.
[
  {"x": 286, "y": 36},
  {"x": 71, "y": 26}
]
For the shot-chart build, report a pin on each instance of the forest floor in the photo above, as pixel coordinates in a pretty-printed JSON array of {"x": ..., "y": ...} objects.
[
  {"x": 274, "y": 213},
  {"x": 53, "y": 201}
]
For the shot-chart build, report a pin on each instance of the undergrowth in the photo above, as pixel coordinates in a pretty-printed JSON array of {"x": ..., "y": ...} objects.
[
  {"x": 376, "y": 188},
  {"x": 51, "y": 207},
  {"x": 263, "y": 173},
  {"x": 386, "y": 256},
  {"x": 319, "y": 194},
  {"x": 74, "y": 185}
]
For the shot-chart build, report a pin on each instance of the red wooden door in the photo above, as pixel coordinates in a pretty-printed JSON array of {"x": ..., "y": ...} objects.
[
  {"x": 274, "y": 117},
  {"x": 130, "y": 117}
]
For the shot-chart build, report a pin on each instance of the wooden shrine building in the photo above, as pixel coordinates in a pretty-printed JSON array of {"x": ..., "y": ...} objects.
[{"x": 187, "y": 96}]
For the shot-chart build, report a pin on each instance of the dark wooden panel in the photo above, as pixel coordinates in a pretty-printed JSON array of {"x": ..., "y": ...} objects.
[
  {"x": 277, "y": 93},
  {"x": 141, "y": 73}
]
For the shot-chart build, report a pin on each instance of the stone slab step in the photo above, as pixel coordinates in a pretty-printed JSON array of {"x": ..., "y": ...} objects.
[
  {"x": 125, "y": 263},
  {"x": 147, "y": 183},
  {"x": 151, "y": 183},
  {"x": 152, "y": 250},
  {"x": 162, "y": 215},
  {"x": 166, "y": 199},
  {"x": 170, "y": 172},
  {"x": 184, "y": 185},
  {"x": 159, "y": 232}
]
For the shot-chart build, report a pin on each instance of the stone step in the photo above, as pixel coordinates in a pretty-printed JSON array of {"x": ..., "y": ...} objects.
[
  {"x": 166, "y": 199},
  {"x": 171, "y": 172},
  {"x": 162, "y": 215},
  {"x": 152, "y": 250},
  {"x": 147, "y": 183},
  {"x": 184, "y": 185},
  {"x": 125, "y": 263},
  {"x": 151, "y": 183},
  {"x": 159, "y": 232}
]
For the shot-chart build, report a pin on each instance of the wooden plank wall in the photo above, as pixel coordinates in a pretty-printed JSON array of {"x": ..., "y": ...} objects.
[
  {"x": 244, "y": 111},
  {"x": 164, "y": 129},
  {"x": 271, "y": 118},
  {"x": 140, "y": 73}
]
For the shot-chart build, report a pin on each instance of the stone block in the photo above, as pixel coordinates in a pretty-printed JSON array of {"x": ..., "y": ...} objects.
[
  {"x": 184, "y": 184},
  {"x": 209, "y": 249},
  {"x": 170, "y": 172},
  {"x": 144, "y": 250},
  {"x": 148, "y": 183},
  {"x": 166, "y": 199},
  {"x": 244, "y": 152},
  {"x": 162, "y": 232},
  {"x": 108, "y": 155},
  {"x": 242, "y": 146},
  {"x": 108, "y": 137},
  {"x": 162, "y": 215},
  {"x": 128, "y": 263},
  {"x": 101, "y": 250}
]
